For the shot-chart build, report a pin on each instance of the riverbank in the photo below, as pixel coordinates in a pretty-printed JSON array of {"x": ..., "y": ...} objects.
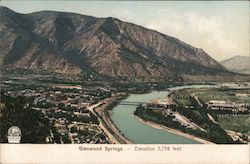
[
  {"x": 107, "y": 124},
  {"x": 174, "y": 131},
  {"x": 101, "y": 125}
]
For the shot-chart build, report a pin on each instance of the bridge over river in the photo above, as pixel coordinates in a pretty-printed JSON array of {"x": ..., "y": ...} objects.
[
  {"x": 131, "y": 103},
  {"x": 138, "y": 131}
]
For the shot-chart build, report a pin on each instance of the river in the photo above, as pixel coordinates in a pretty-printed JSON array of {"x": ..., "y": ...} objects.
[{"x": 140, "y": 133}]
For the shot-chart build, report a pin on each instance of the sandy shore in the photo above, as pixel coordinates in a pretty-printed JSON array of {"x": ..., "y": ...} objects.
[
  {"x": 115, "y": 136},
  {"x": 174, "y": 131}
]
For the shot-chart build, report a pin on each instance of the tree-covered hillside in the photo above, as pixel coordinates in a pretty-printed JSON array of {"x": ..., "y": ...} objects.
[{"x": 35, "y": 128}]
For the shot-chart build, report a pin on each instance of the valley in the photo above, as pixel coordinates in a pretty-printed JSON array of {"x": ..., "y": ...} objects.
[
  {"x": 92, "y": 113},
  {"x": 73, "y": 78}
]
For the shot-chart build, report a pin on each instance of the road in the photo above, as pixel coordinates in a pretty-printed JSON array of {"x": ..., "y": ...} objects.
[{"x": 99, "y": 110}]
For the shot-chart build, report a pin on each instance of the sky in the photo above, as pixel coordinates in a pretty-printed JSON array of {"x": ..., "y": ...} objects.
[{"x": 221, "y": 28}]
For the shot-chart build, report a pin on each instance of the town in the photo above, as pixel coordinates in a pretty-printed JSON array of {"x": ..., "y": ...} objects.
[
  {"x": 67, "y": 109},
  {"x": 82, "y": 113}
]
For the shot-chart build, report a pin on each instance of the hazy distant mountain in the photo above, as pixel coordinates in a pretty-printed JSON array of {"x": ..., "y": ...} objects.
[
  {"x": 239, "y": 64},
  {"x": 84, "y": 46}
]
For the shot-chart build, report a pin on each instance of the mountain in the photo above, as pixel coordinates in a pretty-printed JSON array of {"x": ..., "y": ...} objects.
[
  {"x": 75, "y": 45},
  {"x": 238, "y": 64}
]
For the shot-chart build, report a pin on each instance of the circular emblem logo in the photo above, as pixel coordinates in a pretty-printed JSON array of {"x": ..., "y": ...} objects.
[{"x": 14, "y": 134}]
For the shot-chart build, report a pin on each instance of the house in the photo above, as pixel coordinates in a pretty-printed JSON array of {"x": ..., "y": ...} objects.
[
  {"x": 165, "y": 103},
  {"x": 226, "y": 106}
]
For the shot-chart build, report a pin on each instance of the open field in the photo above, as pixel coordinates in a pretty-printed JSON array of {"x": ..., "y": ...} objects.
[
  {"x": 207, "y": 94},
  {"x": 231, "y": 95},
  {"x": 238, "y": 124}
]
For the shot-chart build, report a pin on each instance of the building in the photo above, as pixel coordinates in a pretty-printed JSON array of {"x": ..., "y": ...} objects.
[
  {"x": 226, "y": 106},
  {"x": 220, "y": 105},
  {"x": 165, "y": 103}
]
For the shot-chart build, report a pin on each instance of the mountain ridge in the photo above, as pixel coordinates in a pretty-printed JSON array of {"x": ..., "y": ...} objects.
[
  {"x": 238, "y": 64},
  {"x": 84, "y": 46}
]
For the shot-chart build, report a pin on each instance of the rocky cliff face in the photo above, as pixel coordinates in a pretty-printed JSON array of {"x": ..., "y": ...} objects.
[{"x": 76, "y": 45}]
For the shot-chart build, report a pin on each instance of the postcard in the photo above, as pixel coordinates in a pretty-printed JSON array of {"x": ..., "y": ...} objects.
[{"x": 124, "y": 82}]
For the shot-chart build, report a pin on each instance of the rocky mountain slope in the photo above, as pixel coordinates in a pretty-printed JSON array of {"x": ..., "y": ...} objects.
[
  {"x": 88, "y": 47},
  {"x": 238, "y": 64}
]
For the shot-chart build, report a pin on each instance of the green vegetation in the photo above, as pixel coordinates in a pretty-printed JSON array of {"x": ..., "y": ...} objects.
[
  {"x": 156, "y": 116},
  {"x": 224, "y": 94},
  {"x": 181, "y": 97},
  {"x": 34, "y": 126},
  {"x": 206, "y": 94},
  {"x": 215, "y": 95},
  {"x": 238, "y": 124},
  {"x": 110, "y": 106},
  {"x": 199, "y": 116},
  {"x": 92, "y": 119}
]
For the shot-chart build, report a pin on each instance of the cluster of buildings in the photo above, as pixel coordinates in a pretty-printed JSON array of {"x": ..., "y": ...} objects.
[
  {"x": 161, "y": 104},
  {"x": 227, "y": 107},
  {"x": 218, "y": 106},
  {"x": 66, "y": 109}
]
